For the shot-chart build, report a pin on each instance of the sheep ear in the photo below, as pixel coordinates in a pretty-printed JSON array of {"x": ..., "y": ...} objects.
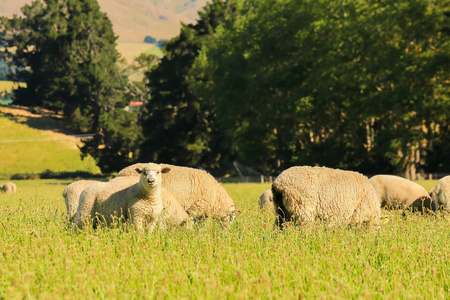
[
  {"x": 165, "y": 170},
  {"x": 138, "y": 170}
]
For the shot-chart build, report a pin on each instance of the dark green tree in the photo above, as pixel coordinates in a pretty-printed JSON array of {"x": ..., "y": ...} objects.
[
  {"x": 116, "y": 144},
  {"x": 348, "y": 84},
  {"x": 178, "y": 126},
  {"x": 65, "y": 52}
]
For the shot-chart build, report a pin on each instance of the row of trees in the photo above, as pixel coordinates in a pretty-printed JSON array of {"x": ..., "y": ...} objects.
[{"x": 355, "y": 84}]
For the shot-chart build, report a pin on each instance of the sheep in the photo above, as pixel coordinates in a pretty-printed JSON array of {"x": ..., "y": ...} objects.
[
  {"x": 8, "y": 187},
  {"x": 266, "y": 200},
  {"x": 441, "y": 193},
  {"x": 71, "y": 195},
  {"x": 117, "y": 199},
  {"x": 306, "y": 194},
  {"x": 173, "y": 213},
  {"x": 197, "y": 192},
  {"x": 399, "y": 193}
]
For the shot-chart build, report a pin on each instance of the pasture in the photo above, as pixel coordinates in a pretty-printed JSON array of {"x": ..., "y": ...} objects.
[
  {"x": 31, "y": 143},
  {"x": 409, "y": 257}
]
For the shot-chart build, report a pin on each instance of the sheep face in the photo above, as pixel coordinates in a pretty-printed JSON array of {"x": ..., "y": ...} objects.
[{"x": 151, "y": 174}]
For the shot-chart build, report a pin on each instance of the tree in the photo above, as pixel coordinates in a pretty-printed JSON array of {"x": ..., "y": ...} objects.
[
  {"x": 348, "y": 84},
  {"x": 65, "y": 51},
  {"x": 116, "y": 145},
  {"x": 178, "y": 126}
]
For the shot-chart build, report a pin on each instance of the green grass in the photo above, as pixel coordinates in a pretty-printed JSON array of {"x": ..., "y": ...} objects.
[
  {"x": 41, "y": 258},
  {"x": 27, "y": 150}
]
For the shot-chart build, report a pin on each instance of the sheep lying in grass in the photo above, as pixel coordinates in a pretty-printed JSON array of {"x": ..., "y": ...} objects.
[
  {"x": 266, "y": 201},
  {"x": 197, "y": 192},
  {"x": 306, "y": 194},
  {"x": 72, "y": 194},
  {"x": 441, "y": 193},
  {"x": 8, "y": 187},
  {"x": 400, "y": 193},
  {"x": 106, "y": 200}
]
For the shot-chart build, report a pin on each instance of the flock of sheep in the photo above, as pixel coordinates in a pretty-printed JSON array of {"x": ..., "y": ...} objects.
[
  {"x": 306, "y": 194},
  {"x": 149, "y": 193},
  {"x": 170, "y": 195}
]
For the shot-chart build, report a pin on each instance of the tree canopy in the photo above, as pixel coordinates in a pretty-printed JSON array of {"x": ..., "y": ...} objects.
[
  {"x": 349, "y": 84},
  {"x": 178, "y": 126},
  {"x": 65, "y": 51}
]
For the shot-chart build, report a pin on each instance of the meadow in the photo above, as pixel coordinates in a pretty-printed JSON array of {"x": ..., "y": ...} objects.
[
  {"x": 32, "y": 144},
  {"x": 409, "y": 257}
]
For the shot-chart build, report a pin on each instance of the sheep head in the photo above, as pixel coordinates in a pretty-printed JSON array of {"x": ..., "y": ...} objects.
[{"x": 151, "y": 174}]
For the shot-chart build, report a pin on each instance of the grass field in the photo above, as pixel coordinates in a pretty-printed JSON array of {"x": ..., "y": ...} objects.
[
  {"x": 41, "y": 258},
  {"x": 130, "y": 51},
  {"x": 30, "y": 145}
]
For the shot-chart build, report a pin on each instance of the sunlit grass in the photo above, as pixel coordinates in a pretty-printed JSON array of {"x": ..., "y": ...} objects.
[
  {"x": 25, "y": 150},
  {"x": 41, "y": 258},
  {"x": 10, "y": 85}
]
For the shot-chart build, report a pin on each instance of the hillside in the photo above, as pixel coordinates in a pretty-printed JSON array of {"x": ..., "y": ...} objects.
[
  {"x": 35, "y": 142},
  {"x": 134, "y": 19}
]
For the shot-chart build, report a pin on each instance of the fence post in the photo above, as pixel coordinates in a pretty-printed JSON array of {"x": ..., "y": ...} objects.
[{"x": 262, "y": 178}]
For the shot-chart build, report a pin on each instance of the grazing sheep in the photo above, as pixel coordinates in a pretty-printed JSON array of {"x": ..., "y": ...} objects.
[
  {"x": 266, "y": 201},
  {"x": 197, "y": 192},
  {"x": 400, "y": 193},
  {"x": 72, "y": 194},
  {"x": 8, "y": 187},
  {"x": 117, "y": 199},
  {"x": 441, "y": 193},
  {"x": 306, "y": 194}
]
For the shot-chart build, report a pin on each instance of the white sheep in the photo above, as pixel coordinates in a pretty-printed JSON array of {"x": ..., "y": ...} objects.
[
  {"x": 106, "y": 200},
  {"x": 306, "y": 194},
  {"x": 8, "y": 187},
  {"x": 172, "y": 215},
  {"x": 399, "y": 193},
  {"x": 441, "y": 193},
  {"x": 197, "y": 192},
  {"x": 72, "y": 194},
  {"x": 266, "y": 201}
]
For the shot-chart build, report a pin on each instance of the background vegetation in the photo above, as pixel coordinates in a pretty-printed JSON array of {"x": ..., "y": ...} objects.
[
  {"x": 41, "y": 258},
  {"x": 348, "y": 84}
]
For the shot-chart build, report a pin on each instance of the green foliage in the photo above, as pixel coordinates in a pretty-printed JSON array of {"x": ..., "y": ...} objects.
[
  {"x": 149, "y": 39},
  {"x": 65, "y": 52},
  {"x": 178, "y": 126},
  {"x": 116, "y": 146},
  {"x": 349, "y": 84},
  {"x": 41, "y": 258}
]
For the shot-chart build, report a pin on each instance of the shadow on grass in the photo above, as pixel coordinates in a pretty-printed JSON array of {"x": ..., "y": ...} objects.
[{"x": 48, "y": 174}]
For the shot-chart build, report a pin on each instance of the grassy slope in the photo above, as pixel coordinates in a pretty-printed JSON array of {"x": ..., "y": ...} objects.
[
  {"x": 28, "y": 150},
  {"x": 40, "y": 258}
]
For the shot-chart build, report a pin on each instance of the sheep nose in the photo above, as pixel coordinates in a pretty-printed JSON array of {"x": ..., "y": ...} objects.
[{"x": 151, "y": 181}]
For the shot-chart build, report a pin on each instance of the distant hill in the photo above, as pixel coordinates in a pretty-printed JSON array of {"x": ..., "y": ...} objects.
[{"x": 133, "y": 20}]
